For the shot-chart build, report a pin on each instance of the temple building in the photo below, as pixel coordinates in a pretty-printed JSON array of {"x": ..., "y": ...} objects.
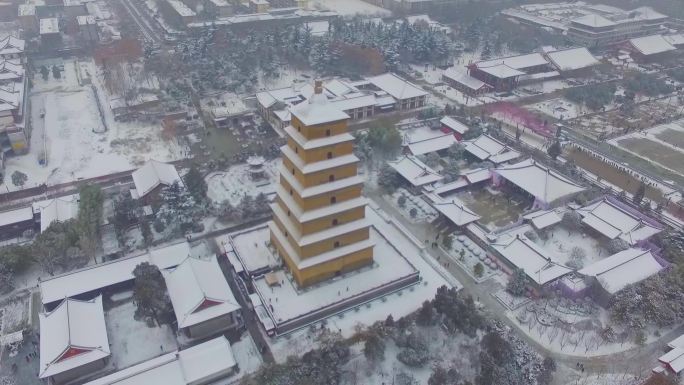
[{"x": 319, "y": 227}]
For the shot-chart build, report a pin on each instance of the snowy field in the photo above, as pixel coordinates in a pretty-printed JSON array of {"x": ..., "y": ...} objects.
[
  {"x": 424, "y": 212},
  {"x": 133, "y": 341},
  {"x": 68, "y": 132},
  {"x": 246, "y": 355},
  {"x": 350, "y": 7},
  {"x": 398, "y": 304},
  {"x": 232, "y": 185}
]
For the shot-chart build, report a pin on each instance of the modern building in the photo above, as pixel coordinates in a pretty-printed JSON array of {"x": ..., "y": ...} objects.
[
  {"x": 590, "y": 25},
  {"x": 597, "y": 30},
  {"x": 319, "y": 227}
]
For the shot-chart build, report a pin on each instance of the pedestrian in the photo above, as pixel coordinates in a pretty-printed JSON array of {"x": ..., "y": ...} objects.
[
  {"x": 161, "y": 347},
  {"x": 27, "y": 358}
]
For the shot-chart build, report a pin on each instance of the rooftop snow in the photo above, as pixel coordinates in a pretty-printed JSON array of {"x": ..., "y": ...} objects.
[
  {"x": 48, "y": 26},
  {"x": 539, "y": 181},
  {"x": 415, "y": 171},
  {"x": 317, "y": 110},
  {"x": 651, "y": 45},
  {"x": 190, "y": 366},
  {"x": 572, "y": 59},
  {"x": 103, "y": 275},
  {"x": 543, "y": 218},
  {"x": 594, "y": 21},
  {"x": 199, "y": 291},
  {"x": 16, "y": 216},
  {"x": 72, "y": 335},
  {"x": 10, "y": 45},
  {"x": 56, "y": 210},
  {"x": 454, "y": 125},
  {"x": 308, "y": 144},
  {"x": 500, "y": 71},
  {"x": 614, "y": 221},
  {"x": 520, "y": 62},
  {"x": 676, "y": 39},
  {"x": 677, "y": 342},
  {"x": 674, "y": 359},
  {"x": 394, "y": 85},
  {"x": 627, "y": 267},
  {"x": 537, "y": 262},
  {"x": 153, "y": 174},
  {"x": 485, "y": 147},
  {"x": 454, "y": 209},
  {"x": 182, "y": 9},
  {"x": 422, "y": 140}
]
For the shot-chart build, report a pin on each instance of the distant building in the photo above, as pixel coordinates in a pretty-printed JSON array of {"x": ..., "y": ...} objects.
[
  {"x": 13, "y": 96},
  {"x": 615, "y": 220},
  {"x": 590, "y": 25},
  {"x": 220, "y": 8},
  {"x": 463, "y": 82},
  {"x": 28, "y": 18},
  {"x": 360, "y": 100},
  {"x": 649, "y": 48},
  {"x": 572, "y": 61},
  {"x": 259, "y": 6},
  {"x": 504, "y": 74}
]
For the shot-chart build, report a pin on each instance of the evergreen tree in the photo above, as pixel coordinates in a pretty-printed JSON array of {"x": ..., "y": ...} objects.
[
  {"x": 44, "y": 72},
  {"x": 90, "y": 217},
  {"x": 517, "y": 282},
  {"x": 639, "y": 194},
  {"x": 426, "y": 314},
  {"x": 56, "y": 72},
  {"x": 374, "y": 348},
  {"x": 196, "y": 184},
  {"x": 554, "y": 150},
  {"x": 149, "y": 291}
]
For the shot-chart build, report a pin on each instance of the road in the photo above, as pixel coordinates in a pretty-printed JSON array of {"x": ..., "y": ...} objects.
[
  {"x": 636, "y": 361},
  {"x": 148, "y": 31}
]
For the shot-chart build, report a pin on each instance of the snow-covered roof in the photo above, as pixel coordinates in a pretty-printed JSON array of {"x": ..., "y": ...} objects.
[
  {"x": 534, "y": 260},
  {"x": 56, "y": 210},
  {"x": 422, "y": 140},
  {"x": 352, "y": 103},
  {"x": 676, "y": 39},
  {"x": 593, "y": 21},
  {"x": 627, "y": 267},
  {"x": 454, "y": 124},
  {"x": 651, "y": 45},
  {"x": 519, "y": 62},
  {"x": 484, "y": 147},
  {"x": 199, "y": 291},
  {"x": 309, "y": 144},
  {"x": 103, "y": 275},
  {"x": 182, "y": 9},
  {"x": 572, "y": 59},
  {"x": 318, "y": 28},
  {"x": 170, "y": 256},
  {"x": 543, "y": 218},
  {"x": 72, "y": 335},
  {"x": 27, "y": 10},
  {"x": 11, "y": 45},
  {"x": 674, "y": 359},
  {"x": 153, "y": 174},
  {"x": 677, "y": 342},
  {"x": 86, "y": 20},
  {"x": 16, "y": 216},
  {"x": 318, "y": 110},
  {"x": 454, "y": 209},
  {"x": 500, "y": 71},
  {"x": 191, "y": 366},
  {"x": 396, "y": 86},
  {"x": 415, "y": 171},
  {"x": 615, "y": 221},
  {"x": 11, "y": 69},
  {"x": 49, "y": 25},
  {"x": 539, "y": 181}
]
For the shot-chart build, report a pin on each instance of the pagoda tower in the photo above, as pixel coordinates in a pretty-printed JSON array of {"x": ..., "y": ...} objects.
[{"x": 319, "y": 227}]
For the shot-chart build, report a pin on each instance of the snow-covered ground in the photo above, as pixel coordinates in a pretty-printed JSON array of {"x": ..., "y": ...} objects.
[
  {"x": 350, "y": 7},
  {"x": 398, "y": 304},
  {"x": 424, "y": 212},
  {"x": 559, "y": 108},
  {"x": 246, "y": 355},
  {"x": 232, "y": 185},
  {"x": 68, "y": 132},
  {"x": 251, "y": 246},
  {"x": 133, "y": 341},
  {"x": 467, "y": 254}
]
